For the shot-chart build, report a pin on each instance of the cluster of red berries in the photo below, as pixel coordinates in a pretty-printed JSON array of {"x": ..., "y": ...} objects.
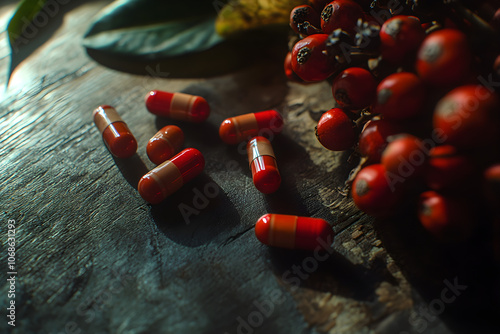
[{"x": 415, "y": 92}]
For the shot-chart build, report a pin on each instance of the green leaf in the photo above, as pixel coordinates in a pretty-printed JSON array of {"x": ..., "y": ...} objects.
[
  {"x": 153, "y": 29},
  {"x": 174, "y": 39},
  {"x": 24, "y": 14}
]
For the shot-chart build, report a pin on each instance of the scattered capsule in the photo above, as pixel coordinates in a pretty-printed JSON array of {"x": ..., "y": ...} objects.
[
  {"x": 184, "y": 107},
  {"x": 171, "y": 175},
  {"x": 115, "y": 132},
  {"x": 240, "y": 128},
  {"x": 294, "y": 232},
  {"x": 265, "y": 174},
  {"x": 165, "y": 144}
]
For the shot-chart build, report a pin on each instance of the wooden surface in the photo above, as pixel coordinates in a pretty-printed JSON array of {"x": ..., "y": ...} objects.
[{"x": 93, "y": 257}]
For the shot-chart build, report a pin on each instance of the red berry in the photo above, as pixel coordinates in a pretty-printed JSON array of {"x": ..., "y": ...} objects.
[
  {"x": 400, "y": 37},
  {"x": 447, "y": 168},
  {"x": 354, "y": 88},
  {"x": 399, "y": 96},
  {"x": 290, "y": 74},
  {"x": 405, "y": 157},
  {"x": 444, "y": 58},
  {"x": 373, "y": 139},
  {"x": 445, "y": 218},
  {"x": 492, "y": 185},
  {"x": 301, "y": 14},
  {"x": 336, "y": 130},
  {"x": 372, "y": 191},
  {"x": 467, "y": 116},
  {"x": 310, "y": 60},
  {"x": 341, "y": 14}
]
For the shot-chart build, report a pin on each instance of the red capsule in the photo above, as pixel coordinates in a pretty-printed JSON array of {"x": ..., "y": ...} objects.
[
  {"x": 165, "y": 144},
  {"x": 294, "y": 232},
  {"x": 115, "y": 132},
  {"x": 265, "y": 174},
  {"x": 237, "y": 129},
  {"x": 179, "y": 106},
  {"x": 170, "y": 176}
]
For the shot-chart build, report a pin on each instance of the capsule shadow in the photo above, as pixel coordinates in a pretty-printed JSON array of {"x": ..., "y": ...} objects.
[
  {"x": 327, "y": 272},
  {"x": 132, "y": 169},
  {"x": 196, "y": 214}
]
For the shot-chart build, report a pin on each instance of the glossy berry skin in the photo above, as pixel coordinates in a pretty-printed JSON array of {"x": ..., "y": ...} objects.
[
  {"x": 400, "y": 96},
  {"x": 341, "y": 14},
  {"x": 491, "y": 177},
  {"x": 373, "y": 139},
  {"x": 336, "y": 131},
  {"x": 405, "y": 157},
  {"x": 447, "y": 168},
  {"x": 294, "y": 232},
  {"x": 373, "y": 192},
  {"x": 310, "y": 60},
  {"x": 288, "y": 70},
  {"x": 240, "y": 128},
  {"x": 444, "y": 58},
  {"x": 301, "y": 14},
  {"x": 400, "y": 38},
  {"x": 115, "y": 132},
  {"x": 445, "y": 218},
  {"x": 354, "y": 88},
  {"x": 171, "y": 175},
  {"x": 265, "y": 174},
  {"x": 178, "y": 106},
  {"x": 165, "y": 144},
  {"x": 467, "y": 116}
]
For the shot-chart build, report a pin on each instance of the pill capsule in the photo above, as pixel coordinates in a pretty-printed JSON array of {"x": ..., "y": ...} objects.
[
  {"x": 165, "y": 144},
  {"x": 265, "y": 173},
  {"x": 179, "y": 106},
  {"x": 236, "y": 129},
  {"x": 115, "y": 133},
  {"x": 294, "y": 232},
  {"x": 171, "y": 175}
]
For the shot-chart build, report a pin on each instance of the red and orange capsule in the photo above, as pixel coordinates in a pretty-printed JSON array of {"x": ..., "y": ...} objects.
[
  {"x": 294, "y": 232},
  {"x": 265, "y": 173},
  {"x": 115, "y": 132},
  {"x": 237, "y": 129},
  {"x": 180, "y": 106},
  {"x": 171, "y": 175},
  {"x": 165, "y": 144}
]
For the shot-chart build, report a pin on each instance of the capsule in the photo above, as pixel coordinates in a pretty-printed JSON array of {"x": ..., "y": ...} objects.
[
  {"x": 179, "y": 106},
  {"x": 165, "y": 144},
  {"x": 265, "y": 173},
  {"x": 171, "y": 175},
  {"x": 237, "y": 129},
  {"x": 115, "y": 132},
  {"x": 294, "y": 232}
]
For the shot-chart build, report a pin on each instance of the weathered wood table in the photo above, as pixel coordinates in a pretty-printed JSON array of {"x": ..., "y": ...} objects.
[{"x": 92, "y": 257}]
